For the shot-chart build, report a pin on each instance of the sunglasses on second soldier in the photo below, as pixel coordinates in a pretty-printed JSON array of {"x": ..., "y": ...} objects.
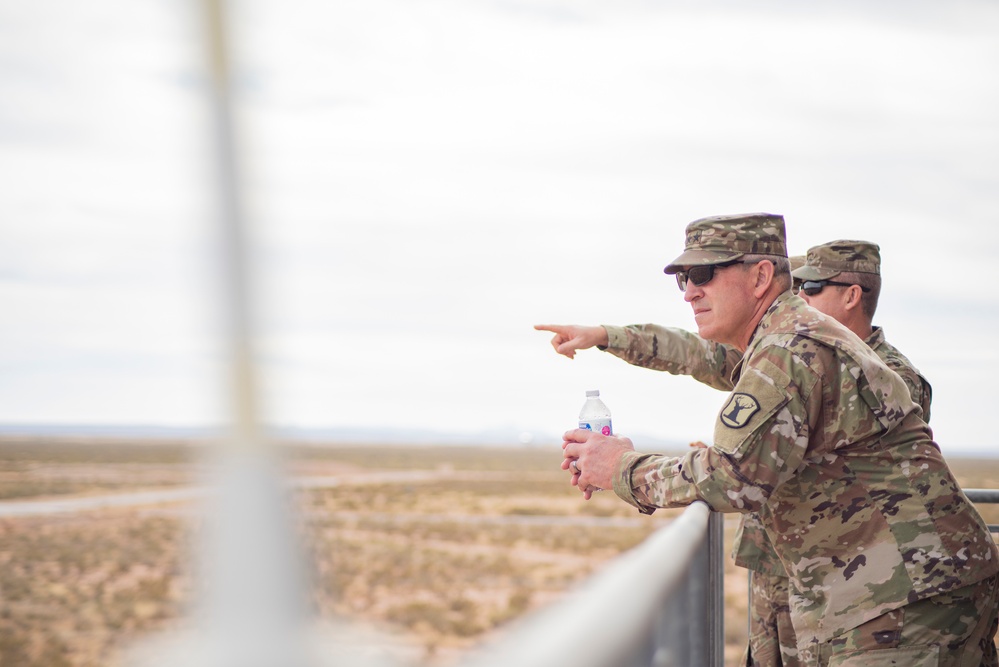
[
  {"x": 813, "y": 287},
  {"x": 700, "y": 275}
]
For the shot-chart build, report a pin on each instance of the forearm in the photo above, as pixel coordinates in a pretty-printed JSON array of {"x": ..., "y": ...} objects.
[
  {"x": 648, "y": 481},
  {"x": 674, "y": 351}
]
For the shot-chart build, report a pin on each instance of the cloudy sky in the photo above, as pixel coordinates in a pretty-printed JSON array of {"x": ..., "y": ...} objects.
[{"x": 425, "y": 180}]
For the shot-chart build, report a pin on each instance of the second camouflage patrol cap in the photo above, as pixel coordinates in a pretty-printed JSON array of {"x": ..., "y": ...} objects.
[
  {"x": 722, "y": 238},
  {"x": 836, "y": 257}
]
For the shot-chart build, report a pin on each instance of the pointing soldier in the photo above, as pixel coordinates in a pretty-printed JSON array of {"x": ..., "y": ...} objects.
[
  {"x": 886, "y": 558},
  {"x": 852, "y": 300}
]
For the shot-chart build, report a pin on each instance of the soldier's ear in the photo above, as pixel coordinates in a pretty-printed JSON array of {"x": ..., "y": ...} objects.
[
  {"x": 764, "y": 277},
  {"x": 853, "y": 294}
]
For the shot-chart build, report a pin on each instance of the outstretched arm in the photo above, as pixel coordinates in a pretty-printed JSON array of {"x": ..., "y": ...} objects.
[
  {"x": 652, "y": 346},
  {"x": 675, "y": 351}
]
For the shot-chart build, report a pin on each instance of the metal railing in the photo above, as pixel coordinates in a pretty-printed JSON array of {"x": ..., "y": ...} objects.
[
  {"x": 984, "y": 496},
  {"x": 658, "y": 605}
]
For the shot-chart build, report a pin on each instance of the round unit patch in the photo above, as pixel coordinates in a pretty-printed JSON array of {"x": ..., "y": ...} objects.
[{"x": 739, "y": 410}]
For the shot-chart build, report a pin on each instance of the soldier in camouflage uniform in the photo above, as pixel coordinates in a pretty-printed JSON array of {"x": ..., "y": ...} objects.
[
  {"x": 852, "y": 299},
  {"x": 843, "y": 279},
  {"x": 888, "y": 562}
]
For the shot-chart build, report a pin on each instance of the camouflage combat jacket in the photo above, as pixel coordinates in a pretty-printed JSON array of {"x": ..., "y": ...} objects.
[
  {"x": 751, "y": 548},
  {"x": 860, "y": 506},
  {"x": 683, "y": 353}
]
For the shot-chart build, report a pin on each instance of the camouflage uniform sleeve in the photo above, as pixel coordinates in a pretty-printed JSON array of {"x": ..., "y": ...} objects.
[
  {"x": 675, "y": 351},
  {"x": 919, "y": 388},
  {"x": 925, "y": 398},
  {"x": 761, "y": 436},
  {"x": 752, "y": 549}
]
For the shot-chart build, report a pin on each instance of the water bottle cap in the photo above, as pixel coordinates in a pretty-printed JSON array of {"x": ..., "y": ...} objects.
[{"x": 592, "y": 392}]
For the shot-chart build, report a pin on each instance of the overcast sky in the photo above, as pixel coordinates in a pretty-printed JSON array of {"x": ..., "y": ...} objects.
[{"x": 427, "y": 180}]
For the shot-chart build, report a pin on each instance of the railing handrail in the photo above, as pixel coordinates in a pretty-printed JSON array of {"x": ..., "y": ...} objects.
[
  {"x": 982, "y": 495},
  {"x": 985, "y": 496},
  {"x": 611, "y": 618}
]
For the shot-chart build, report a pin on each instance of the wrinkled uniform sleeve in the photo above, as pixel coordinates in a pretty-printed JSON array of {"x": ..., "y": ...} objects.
[
  {"x": 761, "y": 436},
  {"x": 752, "y": 548},
  {"x": 919, "y": 388},
  {"x": 675, "y": 351}
]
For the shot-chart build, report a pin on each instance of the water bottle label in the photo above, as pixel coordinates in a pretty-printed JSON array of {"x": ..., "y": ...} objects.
[{"x": 598, "y": 425}]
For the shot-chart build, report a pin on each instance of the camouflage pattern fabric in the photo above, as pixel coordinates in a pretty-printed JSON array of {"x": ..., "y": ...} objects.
[
  {"x": 771, "y": 636},
  {"x": 772, "y": 639},
  {"x": 953, "y": 629},
  {"x": 752, "y": 548},
  {"x": 919, "y": 387},
  {"x": 796, "y": 261},
  {"x": 845, "y": 256},
  {"x": 675, "y": 351},
  {"x": 858, "y": 503},
  {"x": 684, "y": 353},
  {"x": 722, "y": 238}
]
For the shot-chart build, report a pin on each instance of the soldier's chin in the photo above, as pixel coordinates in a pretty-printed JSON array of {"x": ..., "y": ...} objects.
[
  {"x": 704, "y": 327},
  {"x": 708, "y": 332}
]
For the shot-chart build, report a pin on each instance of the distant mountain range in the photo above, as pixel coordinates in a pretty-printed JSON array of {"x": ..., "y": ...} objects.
[
  {"x": 354, "y": 435},
  {"x": 497, "y": 437}
]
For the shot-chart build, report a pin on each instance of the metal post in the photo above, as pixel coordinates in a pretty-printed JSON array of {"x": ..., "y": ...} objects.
[
  {"x": 698, "y": 590},
  {"x": 715, "y": 612}
]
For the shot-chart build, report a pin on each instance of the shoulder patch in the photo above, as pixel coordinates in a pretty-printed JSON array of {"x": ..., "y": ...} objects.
[
  {"x": 760, "y": 394},
  {"x": 739, "y": 410}
]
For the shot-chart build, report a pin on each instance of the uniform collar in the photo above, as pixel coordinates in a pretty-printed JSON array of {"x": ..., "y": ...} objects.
[
  {"x": 766, "y": 322},
  {"x": 876, "y": 338}
]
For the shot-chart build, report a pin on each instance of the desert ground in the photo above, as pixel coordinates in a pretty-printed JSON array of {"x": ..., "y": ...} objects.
[{"x": 434, "y": 550}]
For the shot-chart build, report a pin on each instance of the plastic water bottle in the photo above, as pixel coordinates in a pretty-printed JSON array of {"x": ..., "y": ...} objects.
[{"x": 595, "y": 415}]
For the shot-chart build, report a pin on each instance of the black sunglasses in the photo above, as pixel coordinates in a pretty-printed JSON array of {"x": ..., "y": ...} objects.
[
  {"x": 813, "y": 287},
  {"x": 700, "y": 275}
]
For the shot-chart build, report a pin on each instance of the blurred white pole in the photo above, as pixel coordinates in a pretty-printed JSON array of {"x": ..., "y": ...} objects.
[
  {"x": 253, "y": 601},
  {"x": 235, "y": 274},
  {"x": 249, "y": 608}
]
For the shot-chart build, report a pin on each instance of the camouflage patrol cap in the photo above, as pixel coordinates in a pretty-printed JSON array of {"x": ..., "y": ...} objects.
[
  {"x": 723, "y": 238},
  {"x": 836, "y": 257},
  {"x": 796, "y": 262}
]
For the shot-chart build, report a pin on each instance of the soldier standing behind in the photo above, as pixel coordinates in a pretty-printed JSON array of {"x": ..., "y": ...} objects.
[
  {"x": 887, "y": 558},
  {"x": 852, "y": 299}
]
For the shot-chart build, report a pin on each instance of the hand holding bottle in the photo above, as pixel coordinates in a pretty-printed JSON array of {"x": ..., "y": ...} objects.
[{"x": 593, "y": 458}]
